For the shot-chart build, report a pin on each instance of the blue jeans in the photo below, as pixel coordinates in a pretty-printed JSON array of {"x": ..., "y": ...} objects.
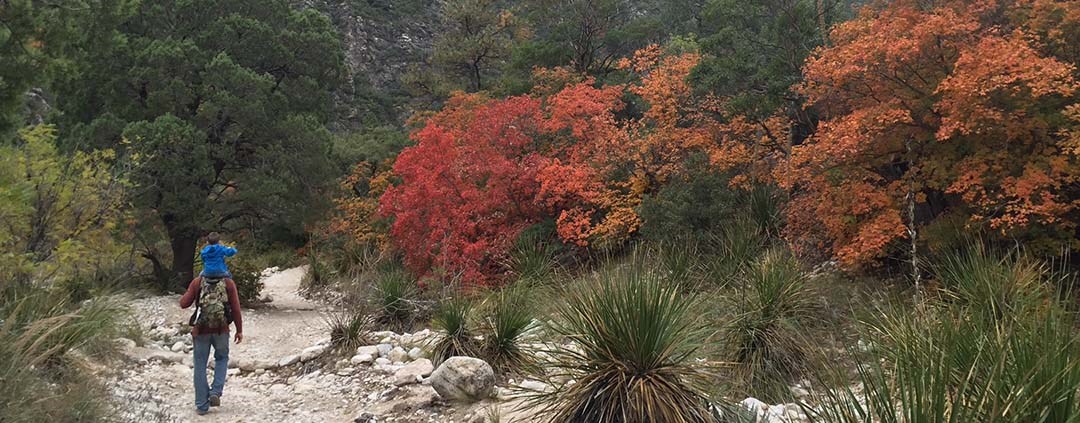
[{"x": 201, "y": 350}]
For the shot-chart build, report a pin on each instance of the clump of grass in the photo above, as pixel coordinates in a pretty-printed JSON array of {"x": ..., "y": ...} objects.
[
  {"x": 679, "y": 258},
  {"x": 534, "y": 258},
  {"x": 395, "y": 291},
  {"x": 350, "y": 329},
  {"x": 764, "y": 336},
  {"x": 318, "y": 276},
  {"x": 452, "y": 318},
  {"x": 997, "y": 346},
  {"x": 509, "y": 317},
  {"x": 732, "y": 251},
  {"x": 36, "y": 332},
  {"x": 635, "y": 335}
]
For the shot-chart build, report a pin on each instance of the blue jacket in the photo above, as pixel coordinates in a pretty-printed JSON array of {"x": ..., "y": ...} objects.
[{"x": 213, "y": 258}]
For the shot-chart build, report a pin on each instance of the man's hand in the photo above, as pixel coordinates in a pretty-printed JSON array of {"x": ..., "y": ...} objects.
[{"x": 239, "y": 337}]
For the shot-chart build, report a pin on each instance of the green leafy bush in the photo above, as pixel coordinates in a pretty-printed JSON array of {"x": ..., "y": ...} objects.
[
  {"x": 635, "y": 338},
  {"x": 693, "y": 206},
  {"x": 248, "y": 279}
]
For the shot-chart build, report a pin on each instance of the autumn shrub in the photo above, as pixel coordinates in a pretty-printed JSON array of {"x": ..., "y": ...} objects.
[
  {"x": 771, "y": 309},
  {"x": 996, "y": 346},
  {"x": 452, "y": 318},
  {"x": 634, "y": 336},
  {"x": 466, "y": 188}
]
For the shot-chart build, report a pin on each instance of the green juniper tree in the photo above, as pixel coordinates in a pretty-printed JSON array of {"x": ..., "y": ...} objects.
[{"x": 220, "y": 108}]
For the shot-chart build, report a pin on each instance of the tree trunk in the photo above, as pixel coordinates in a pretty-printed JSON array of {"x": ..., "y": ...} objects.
[{"x": 182, "y": 242}]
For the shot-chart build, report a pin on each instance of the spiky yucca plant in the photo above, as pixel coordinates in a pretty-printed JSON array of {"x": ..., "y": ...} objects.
[
  {"x": 509, "y": 316},
  {"x": 452, "y": 318},
  {"x": 394, "y": 290},
  {"x": 764, "y": 336},
  {"x": 996, "y": 347},
  {"x": 634, "y": 337},
  {"x": 349, "y": 329}
]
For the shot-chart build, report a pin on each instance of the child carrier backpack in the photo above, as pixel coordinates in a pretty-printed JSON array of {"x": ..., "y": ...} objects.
[{"x": 212, "y": 309}]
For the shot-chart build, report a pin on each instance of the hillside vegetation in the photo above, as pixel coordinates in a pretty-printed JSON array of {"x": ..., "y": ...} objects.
[{"x": 706, "y": 200}]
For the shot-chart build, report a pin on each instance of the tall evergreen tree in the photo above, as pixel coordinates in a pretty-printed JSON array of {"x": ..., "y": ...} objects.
[{"x": 219, "y": 105}]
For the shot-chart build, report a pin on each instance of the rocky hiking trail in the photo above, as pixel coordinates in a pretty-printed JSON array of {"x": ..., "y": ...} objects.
[{"x": 283, "y": 370}]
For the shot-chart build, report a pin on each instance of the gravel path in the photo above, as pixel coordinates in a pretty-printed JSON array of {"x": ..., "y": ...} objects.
[{"x": 156, "y": 387}]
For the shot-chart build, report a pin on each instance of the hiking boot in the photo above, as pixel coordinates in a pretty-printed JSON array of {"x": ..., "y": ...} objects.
[
  {"x": 201, "y": 412},
  {"x": 215, "y": 400}
]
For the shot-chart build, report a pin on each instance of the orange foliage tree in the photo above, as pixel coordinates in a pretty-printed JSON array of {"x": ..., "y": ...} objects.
[
  {"x": 965, "y": 107},
  {"x": 599, "y": 168}
]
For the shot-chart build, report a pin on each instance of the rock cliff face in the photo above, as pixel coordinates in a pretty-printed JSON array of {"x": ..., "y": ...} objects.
[{"x": 382, "y": 39}]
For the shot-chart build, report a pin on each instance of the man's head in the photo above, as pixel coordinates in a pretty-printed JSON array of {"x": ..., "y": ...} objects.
[{"x": 213, "y": 238}]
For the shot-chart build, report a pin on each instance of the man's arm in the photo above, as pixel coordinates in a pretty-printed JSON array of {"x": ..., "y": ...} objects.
[
  {"x": 234, "y": 303},
  {"x": 191, "y": 294},
  {"x": 230, "y": 251}
]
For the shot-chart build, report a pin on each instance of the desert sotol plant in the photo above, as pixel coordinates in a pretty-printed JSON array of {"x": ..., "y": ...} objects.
[{"x": 634, "y": 338}]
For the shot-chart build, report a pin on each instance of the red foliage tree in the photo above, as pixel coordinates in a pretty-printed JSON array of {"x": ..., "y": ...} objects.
[{"x": 466, "y": 188}]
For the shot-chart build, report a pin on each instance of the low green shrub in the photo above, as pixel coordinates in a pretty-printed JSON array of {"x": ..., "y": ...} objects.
[
  {"x": 248, "y": 279},
  {"x": 730, "y": 252},
  {"x": 395, "y": 293},
  {"x": 534, "y": 257},
  {"x": 636, "y": 335}
]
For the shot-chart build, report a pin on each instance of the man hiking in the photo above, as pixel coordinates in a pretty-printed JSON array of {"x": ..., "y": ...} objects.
[{"x": 216, "y": 306}]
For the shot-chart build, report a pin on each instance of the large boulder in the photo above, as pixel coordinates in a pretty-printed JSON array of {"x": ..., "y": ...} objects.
[{"x": 463, "y": 379}]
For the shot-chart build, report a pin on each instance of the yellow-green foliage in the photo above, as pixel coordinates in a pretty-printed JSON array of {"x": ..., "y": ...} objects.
[{"x": 59, "y": 212}]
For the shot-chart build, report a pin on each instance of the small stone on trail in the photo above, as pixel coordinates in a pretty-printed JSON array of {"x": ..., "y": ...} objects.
[
  {"x": 178, "y": 346},
  {"x": 373, "y": 350},
  {"x": 361, "y": 359},
  {"x": 384, "y": 349},
  {"x": 398, "y": 354},
  {"x": 288, "y": 360},
  {"x": 124, "y": 343},
  {"x": 413, "y": 372},
  {"x": 312, "y": 352}
]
